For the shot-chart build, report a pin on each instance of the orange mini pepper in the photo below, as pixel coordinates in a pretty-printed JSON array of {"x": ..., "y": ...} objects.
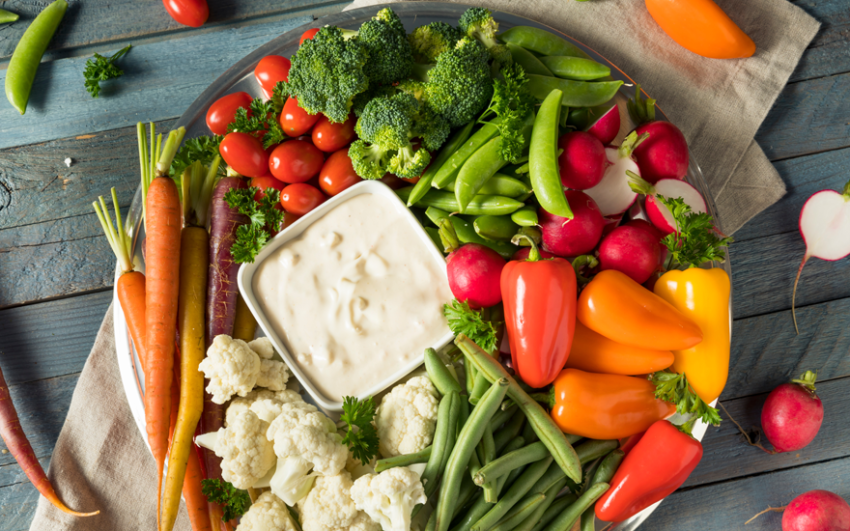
[
  {"x": 701, "y": 27},
  {"x": 619, "y": 308},
  {"x": 702, "y": 295},
  {"x": 596, "y": 353},
  {"x": 605, "y": 406}
]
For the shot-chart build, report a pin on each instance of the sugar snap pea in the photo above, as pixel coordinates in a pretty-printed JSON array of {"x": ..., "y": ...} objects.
[
  {"x": 466, "y": 234},
  {"x": 524, "y": 509},
  {"x": 528, "y": 61},
  {"x": 477, "y": 169},
  {"x": 444, "y": 440},
  {"x": 495, "y": 228},
  {"x": 566, "y": 520},
  {"x": 542, "y": 160},
  {"x": 558, "y": 506},
  {"x": 449, "y": 170},
  {"x": 540, "y": 41},
  {"x": 525, "y": 216},
  {"x": 20, "y": 74},
  {"x": 576, "y": 68},
  {"x": 7, "y": 16},
  {"x": 499, "y": 184},
  {"x": 480, "y": 205},
  {"x": 422, "y": 456},
  {"x": 442, "y": 379},
  {"x": 449, "y": 148},
  {"x": 576, "y": 93},
  {"x": 520, "y": 488},
  {"x": 434, "y": 234}
]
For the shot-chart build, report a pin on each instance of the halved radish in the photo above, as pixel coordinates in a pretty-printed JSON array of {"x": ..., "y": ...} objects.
[
  {"x": 607, "y": 126},
  {"x": 614, "y": 194},
  {"x": 657, "y": 211}
]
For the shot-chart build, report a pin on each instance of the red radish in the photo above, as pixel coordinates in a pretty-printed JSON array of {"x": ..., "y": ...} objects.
[
  {"x": 474, "y": 272},
  {"x": 647, "y": 226},
  {"x": 632, "y": 251},
  {"x": 657, "y": 211},
  {"x": 825, "y": 227},
  {"x": 613, "y": 194},
  {"x": 815, "y": 510},
  {"x": 611, "y": 223},
  {"x": 572, "y": 237},
  {"x": 582, "y": 162},
  {"x": 607, "y": 126},
  {"x": 523, "y": 252},
  {"x": 664, "y": 155},
  {"x": 792, "y": 414}
]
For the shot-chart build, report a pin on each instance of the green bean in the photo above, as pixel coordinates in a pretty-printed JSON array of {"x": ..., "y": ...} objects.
[
  {"x": 481, "y": 166},
  {"x": 481, "y": 385},
  {"x": 590, "y": 450},
  {"x": 449, "y": 170},
  {"x": 480, "y": 205},
  {"x": 464, "y": 449},
  {"x": 553, "y": 475},
  {"x": 566, "y": 520},
  {"x": 470, "y": 372},
  {"x": 535, "y": 517},
  {"x": 524, "y": 456},
  {"x": 489, "y": 450},
  {"x": 434, "y": 234},
  {"x": 478, "y": 509},
  {"x": 543, "y": 163},
  {"x": 529, "y": 434},
  {"x": 510, "y": 477},
  {"x": 422, "y": 456},
  {"x": 497, "y": 228},
  {"x": 468, "y": 489},
  {"x": 499, "y": 184},
  {"x": 516, "y": 491},
  {"x": 541, "y": 41},
  {"x": 608, "y": 467},
  {"x": 557, "y": 507},
  {"x": 501, "y": 416},
  {"x": 528, "y": 61},
  {"x": 449, "y": 148},
  {"x": 439, "y": 375},
  {"x": 444, "y": 440},
  {"x": 20, "y": 74},
  {"x": 588, "y": 520},
  {"x": 509, "y": 432},
  {"x": 7, "y": 16},
  {"x": 576, "y": 68},
  {"x": 520, "y": 512},
  {"x": 589, "y": 470},
  {"x": 544, "y": 426},
  {"x": 575, "y": 93}
]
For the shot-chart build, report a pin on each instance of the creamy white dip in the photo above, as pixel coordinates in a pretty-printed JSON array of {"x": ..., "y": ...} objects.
[{"x": 356, "y": 297}]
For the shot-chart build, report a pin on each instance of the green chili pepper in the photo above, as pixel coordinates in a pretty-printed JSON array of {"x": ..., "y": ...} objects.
[
  {"x": 495, "y": 228},
  {"x": 528, "y": 61},
  {"x": 576, "y": 68},
  {"x": 449, "y": 170},
  {"x": 543, "y": 160},
  {"x": 525, "y": 216},
  {"x": 480, "y": 205},
  {"x": 575, "y": 93},
  {"x": 450, "y": 147},
  {"x": 541, "y": 41},
  {"x": 23, "y": 65},
  {"x": 8, "y": 16}
]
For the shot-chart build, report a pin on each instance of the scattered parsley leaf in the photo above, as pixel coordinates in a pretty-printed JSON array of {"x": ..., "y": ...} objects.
[
  {"x": 511, "y": 102},
  {"x": 262, "y": 116},
  {"x": 100, "y": 68},
  {"x": 674, "y": 388},
  {"x": 464, "y": 320},
  {"x": 203, "y": 149},
  {"x": 695, "y": 241},
  {"x": 361, "y": 436},
  {"x": 264, "y": 219},
  {"x": 234, "y": 502}
]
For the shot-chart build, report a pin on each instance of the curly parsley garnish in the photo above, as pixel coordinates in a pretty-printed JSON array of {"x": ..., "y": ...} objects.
[
  {"x": 696, "y": 240},
  {"x": 264, "y": 219},
  {"x": 361, "y": 436},
  {"x": 234, "y": 502},
  {"x": 674, "y": 388},
  {"x": 464, "y": 320},
  {"x": 262, "y": 116},
  {"x": 100, "y": 68}
]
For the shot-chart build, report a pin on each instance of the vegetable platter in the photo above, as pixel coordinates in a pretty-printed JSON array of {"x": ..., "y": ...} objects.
[{"x": 492, "y": 390}]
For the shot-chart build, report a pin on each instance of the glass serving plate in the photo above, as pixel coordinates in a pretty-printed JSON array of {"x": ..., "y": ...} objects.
[{"x": 240, "y": 77}]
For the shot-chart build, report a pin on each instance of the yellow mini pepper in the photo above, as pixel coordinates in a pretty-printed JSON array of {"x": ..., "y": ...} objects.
[{"x": 703, "y": 296}]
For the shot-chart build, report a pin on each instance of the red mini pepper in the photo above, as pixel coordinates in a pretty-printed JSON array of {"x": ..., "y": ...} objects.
[
  {"x": 655, "y": 467},
  {"x": 539, "y": 298}
]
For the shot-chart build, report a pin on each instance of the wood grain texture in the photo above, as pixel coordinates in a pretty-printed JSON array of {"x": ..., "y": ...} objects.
[
  {"x": 17, "y": 506},
  {"x": 827, "y": 54}
]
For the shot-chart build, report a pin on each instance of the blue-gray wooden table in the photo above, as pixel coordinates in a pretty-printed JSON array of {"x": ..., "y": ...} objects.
[{"x": 56, "y": 269}]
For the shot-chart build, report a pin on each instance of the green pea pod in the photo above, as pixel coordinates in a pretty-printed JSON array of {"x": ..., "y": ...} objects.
[
  {"x": 541, "y": 41},
  {"x": 579, "y": 118},
  {"x": 477, "y": 169},
  {"x": 448, "y": 149},
  {"x": 528, "y": 61},
  {"x": 7, "y": 16},
  {"x": 480, "y": 205},
  {"x": 525, "y": 216},
  {"x": 466, "y": 234},
  {"x": 576, "y": 68},
  {"x": 495, "y": 228},
  {"x": 543, "y": 160},
  {"x": 499, "y": 184},
  {"x": 27, "y": 55},
  {"x": 449, "y": 170},
  {"x": 575, "y": 93}
]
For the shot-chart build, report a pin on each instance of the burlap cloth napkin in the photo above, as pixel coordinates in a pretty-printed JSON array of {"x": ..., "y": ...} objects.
[{"x": 101, "y": 461}]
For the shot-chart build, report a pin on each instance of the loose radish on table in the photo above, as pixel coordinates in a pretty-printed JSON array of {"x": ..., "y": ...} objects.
[
  {"x": 630, "y": 250},
  {"x": 607, "y": 126},
  {"x": 614, "y": 193},
  {"x": 815, "y": 510},
  {"x": 825, "y": 227},
  {"x": 665, "y": 154},
  {"x": 582, "y": 161},
  {"x": 474, "y": 270},
  {"x": 657, "y": 211},
  {"x": 572, "y": 237}
]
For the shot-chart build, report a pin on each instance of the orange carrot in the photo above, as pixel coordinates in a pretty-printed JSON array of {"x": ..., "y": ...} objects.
[
  {"x": 17, "y": 443},
  {"x": 196, "y": 502}
]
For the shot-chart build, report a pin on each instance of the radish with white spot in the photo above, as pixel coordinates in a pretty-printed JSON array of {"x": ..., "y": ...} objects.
[
  {"x": 657, "y": 211},
  {"x": 614, "y": 194},
  {"x": 572, "y": 237},
  {"x": 792, "y": 414},
  {"x": 825, "y": 227},
  {"x": 631, "y": 250},
  {"x": 607, "y": 126}
]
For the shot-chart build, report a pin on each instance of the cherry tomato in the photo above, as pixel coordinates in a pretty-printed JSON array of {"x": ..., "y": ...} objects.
[
  {"x": 330, "y": 137},
  {"x": 270, "y": 70},
  {"x": 308, "y": 35},
  {"x": 300, "y": 198},
  {"x": 188, "y": 12},
  {"x": 296, "y": 161},
  {"x": 264, "y": 182},
  {"x": 289, "y": 218},
  {"x": 244, "y": 153},
  {"x": 294, "y": 120},
  {"x": 223, "y": 111},
  {"x": 338, "y": 174}
]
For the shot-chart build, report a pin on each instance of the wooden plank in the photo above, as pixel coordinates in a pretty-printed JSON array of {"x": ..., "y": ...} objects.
[
  {"x": 729, "y": 504},
  {"x": 827, "y": 54},
  {"x": 17, "y": 506},
  {"x": 12, "y": 474},
  {"x": 36, "y": 185},
  {"x": 50, "y": 339}
]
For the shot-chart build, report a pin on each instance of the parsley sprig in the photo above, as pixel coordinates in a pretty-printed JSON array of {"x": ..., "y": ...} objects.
[
  {"x": 234, "y": 502},
  {"x": 512, "y": 103},
  {"x": 674, "y": 388},
  {"x": 263, "y": 216},
  {"x": 696, "y": 240},
  {"x": 100, "y": 68},
  {"x": 361, "y": 435},
  {"x": 464, "y": 320},
  {"x": 262, "y": 116}
]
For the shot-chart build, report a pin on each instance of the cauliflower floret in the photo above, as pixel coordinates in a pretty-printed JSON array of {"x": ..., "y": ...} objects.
[
  {"x": 329, "y": 507},
  {"x": 389, "y": 497},
  {"x": 407, "y": 417},
  {"x": 304, "y": 440},
  {"x": 231, "y": 367},
  {"x": 263, "y": 347},
  {"x": 356, "y": 467},
  {"x": 273, "y": 373},
  {"x": 268, "y": 407},
  {"x": 240, "y": 404},
  {"x": 268, "y": 513},
  {"x": 245, "y": 452}
]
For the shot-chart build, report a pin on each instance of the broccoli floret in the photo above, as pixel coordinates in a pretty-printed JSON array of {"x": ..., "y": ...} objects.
[
  {"x": 389, "y": 121},
  {"x": 371, "y": 93},
  {"x": 432, "y": 128},
  {"x": 390, "y": 54},
  {"x": 430, "y": 41},
  {"x": 369, "y": 161},
  {"x": 408, "y": 163},
  {"x": 327, "y": 72},
  {"x": 459, "y": 86},
  {"x": 478, "y": 23}
]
